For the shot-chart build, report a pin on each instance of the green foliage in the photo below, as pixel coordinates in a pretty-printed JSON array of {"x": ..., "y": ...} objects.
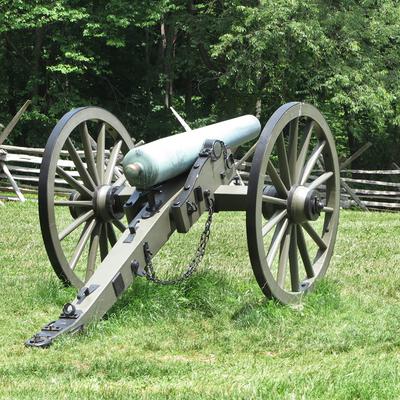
[
  {"x": 209, "y": 59},
  {"x": 334, "y": 55}
]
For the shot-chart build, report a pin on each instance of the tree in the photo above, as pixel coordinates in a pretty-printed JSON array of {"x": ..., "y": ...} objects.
[{"x": 211, "y": 60}]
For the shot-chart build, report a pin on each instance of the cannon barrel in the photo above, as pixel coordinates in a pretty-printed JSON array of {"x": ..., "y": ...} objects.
[{"x": 168, "y": 157}]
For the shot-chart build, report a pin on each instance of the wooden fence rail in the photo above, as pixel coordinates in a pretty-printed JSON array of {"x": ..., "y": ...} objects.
[
  {"x": 23, "y": 165},
  {"x": 366, "y": 189},
  {"x": 375, "y": 189}
]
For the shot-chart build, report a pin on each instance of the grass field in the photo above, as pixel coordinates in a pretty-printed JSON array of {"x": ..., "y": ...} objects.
[{"x": 215, "y": 336}]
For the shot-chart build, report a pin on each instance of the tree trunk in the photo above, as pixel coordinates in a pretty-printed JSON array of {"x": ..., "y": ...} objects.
[
  {"x": 188, "y": 95},
  {"x": 168, "y": 38},
  {"x": 258, "y": 107},
  {"x": 351, "y": 140},
  {"x": 37, "y": 63},
  {"x": 9, "y": 64},
  {"x": 147, "y": 51}
]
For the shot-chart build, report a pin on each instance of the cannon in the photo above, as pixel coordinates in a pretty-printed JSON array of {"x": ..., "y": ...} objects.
[{"x": 124, "y": 202}]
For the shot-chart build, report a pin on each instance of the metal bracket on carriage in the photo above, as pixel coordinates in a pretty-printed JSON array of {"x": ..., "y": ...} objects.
[
  {"x": 49, "y": 332},
  {"x": 85, "y": 292},
  {"x": 135, "y": 202},
  {"x": 195, "y": 196},
  {"x": 133, "y": 226},
  {"x": 153, "y": 205},
  {"x": 213, "y": 148},
  {"x": 137, "y": 269}
]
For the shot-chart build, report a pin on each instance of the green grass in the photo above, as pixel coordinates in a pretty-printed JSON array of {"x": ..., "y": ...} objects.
[{"x": 214, "y": 336}]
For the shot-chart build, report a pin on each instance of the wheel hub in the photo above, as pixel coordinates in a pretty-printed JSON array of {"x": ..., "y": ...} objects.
[
  {"x": 304, "y": 204},
  {"x": 267, "y": 208},
  {"x": 105, "y": 204},
  {"x": 75, "y": 211}
]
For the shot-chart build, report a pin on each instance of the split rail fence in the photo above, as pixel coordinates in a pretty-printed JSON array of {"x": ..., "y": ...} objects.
[
  {"x": 365, "y": 189},
  {"x": 20, "y": 169},
  {"x": 372, "y": 190}
]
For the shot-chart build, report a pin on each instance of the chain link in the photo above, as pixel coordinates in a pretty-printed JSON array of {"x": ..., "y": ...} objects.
[{"x": 191, "y": 268}]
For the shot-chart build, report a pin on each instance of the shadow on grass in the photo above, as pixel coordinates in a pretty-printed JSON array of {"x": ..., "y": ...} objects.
[
  {"x": 324, "y": 299},
  {"x": 212, "y": 295},
  {"x": 251, "y": 313},
  {"x": 209, "y": 295},
  {"x": 206, "y": 295}
]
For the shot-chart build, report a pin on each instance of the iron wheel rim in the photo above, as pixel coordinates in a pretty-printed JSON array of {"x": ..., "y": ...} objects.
[
  {"x": 48, "y": 172},
  {"x": 293, "y": 233}
]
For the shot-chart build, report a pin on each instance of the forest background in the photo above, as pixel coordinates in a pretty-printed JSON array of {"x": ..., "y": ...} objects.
[{"x": 211, "y": 60}]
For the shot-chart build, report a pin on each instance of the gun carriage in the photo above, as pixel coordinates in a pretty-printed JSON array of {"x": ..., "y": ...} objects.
[{"x": 126, "y": 202}]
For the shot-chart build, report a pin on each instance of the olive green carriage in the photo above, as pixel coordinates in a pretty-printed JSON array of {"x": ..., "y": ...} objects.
[{"x": 121, "y": 203}]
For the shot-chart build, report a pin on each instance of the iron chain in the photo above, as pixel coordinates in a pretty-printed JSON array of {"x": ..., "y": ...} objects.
[{"x": 191, "y": 268}]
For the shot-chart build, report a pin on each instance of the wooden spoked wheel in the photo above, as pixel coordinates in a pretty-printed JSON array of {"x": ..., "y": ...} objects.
[
  {"x": 293, "y": 202},
  {"x": 79, "y": 172}
]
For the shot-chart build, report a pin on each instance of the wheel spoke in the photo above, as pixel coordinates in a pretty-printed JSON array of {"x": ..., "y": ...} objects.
[
  {"x": 284, "y": 256},
  {"x": 87, "y": 231},
  {"x": 293, "y": 262},
  {"x": 320, "y": 180},
  {"x": 277, "y": 230},
  {"x": 274, "y": 220},
  {"x": 274, "y": 200},
  {"x": 79, "y": 221},
  {"x": 94, "y": 245},
  {"x": 87, "y": 148},
  {"x": 101, "y": 143},
  {"x": 119, "y": 225},
  {"x": 314, "y": 235},
  {"x": 112, "y": 162},
  {"x": 112, "y": 237},
  {"x": 275, "y": 244},
  {"x": 77, "y": 156},
  {"x": 80, "y": 167},
  {"x": 103, "y": 242},
  {"x": 283, "y": 161},
  {"x": 301, "y": 243},
  {"x": 311, "y": 162},
  {"x": 276, "y": 180},
  {"x": 303, "y": 152},
  {"x": 69, "y": 203},
  {"x": 84, "y": 191},
  {"x": 287, "y": 254},
  {"x": 292, "y": 148}
]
